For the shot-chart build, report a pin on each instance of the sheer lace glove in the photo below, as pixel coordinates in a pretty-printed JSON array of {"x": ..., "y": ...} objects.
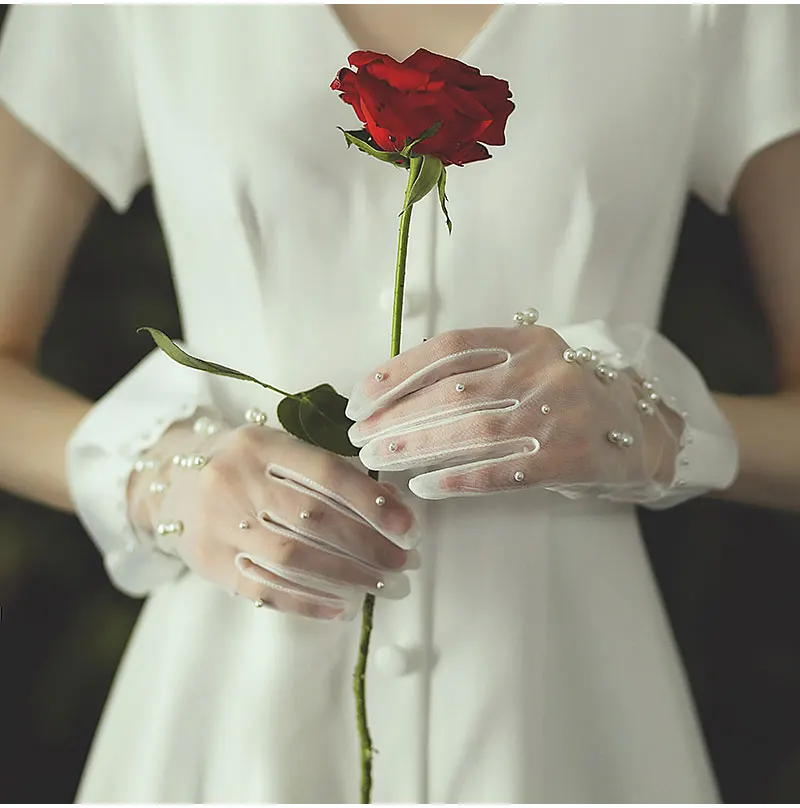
[
  {"x": 270, "y": 518},
  {"x": 498, "y": 409}
]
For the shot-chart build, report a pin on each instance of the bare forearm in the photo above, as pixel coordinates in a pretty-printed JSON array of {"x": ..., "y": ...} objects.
[
  {"x": 36, "y": 419},
  {"x": 768, "y": 431}
]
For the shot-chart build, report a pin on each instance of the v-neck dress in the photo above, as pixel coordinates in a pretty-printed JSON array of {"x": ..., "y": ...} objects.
[{"x": 532, "y": 661}]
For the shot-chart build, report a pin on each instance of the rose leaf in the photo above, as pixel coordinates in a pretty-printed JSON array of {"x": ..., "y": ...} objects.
[
  {"x": 443, "y": 199},
  {"x": 183, "y": 358},
  {"x": 358, "y": 139},
  {"x": 321, "y": 416},
  {"x": 428, "y": 170}
]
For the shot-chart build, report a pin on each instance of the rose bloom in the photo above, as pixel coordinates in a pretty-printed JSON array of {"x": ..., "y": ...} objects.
[{"x": 398, "y": 101}]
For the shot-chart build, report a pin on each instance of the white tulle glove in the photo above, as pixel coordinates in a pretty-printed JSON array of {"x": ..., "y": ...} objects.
[
  {"x": 627, "y": 418},
  {"x": 270, "y": 518}
]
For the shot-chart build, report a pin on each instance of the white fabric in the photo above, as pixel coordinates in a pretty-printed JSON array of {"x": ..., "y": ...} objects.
[
  {"x": 101, "y": 454},
  {"x": 532, "y": 660}
]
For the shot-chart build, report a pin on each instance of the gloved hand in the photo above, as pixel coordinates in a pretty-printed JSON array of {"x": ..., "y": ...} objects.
[
  {"x": 273, "y": 519},
  {"x": 498, "y": 409}
]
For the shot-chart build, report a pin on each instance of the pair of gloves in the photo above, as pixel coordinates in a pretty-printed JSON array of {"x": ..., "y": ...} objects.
[{"x": 587, "y": 411}]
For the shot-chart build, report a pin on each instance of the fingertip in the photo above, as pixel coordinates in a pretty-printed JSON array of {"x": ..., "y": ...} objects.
[
  {"x": 426, "y": 486},
  {"x": 413, "y": 561},
  {"x": 359, "y": 406}
]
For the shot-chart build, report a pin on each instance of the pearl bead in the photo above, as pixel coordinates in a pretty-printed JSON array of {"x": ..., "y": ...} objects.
[
  {"x": 380, "y": 501},
  {"x": 144, "y": 465},
  {"x": 243, "y": 525},
  {"x": 460, "y": 388},
  {"x": 258, "y": 603},
  {"x": 305, "y": 514},
  {"x": 255, "y": 416},
  {"x": 196, "y": 461},
  {"x": 393, "y": 447},
  {"x": 647, "y": 385},
  {"x": 622, "y": 439},
  {"x": 205, "y": 426},
  {"x": 170, "y": 527},
  {"x": 379, "y": 377},
  {"x": 519, "y": 476},
  {"x": 645, "y": 407},
  {"x": 654, "y": 397},
  {"x": 157, "y": 487},
  {"x": 569, "y": 355},
  {"x": 545, "y": 408},
  {"x": 519, "y": 318},
  {"x": 379, "y": 585},
  {"x": 530, "y": 316},
  {"x": 611, "y": 374},
  {"x": 583, "y": 355}
]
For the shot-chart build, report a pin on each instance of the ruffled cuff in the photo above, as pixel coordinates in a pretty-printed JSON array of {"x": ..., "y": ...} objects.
[
  {"x": 709, "y": 454},
  {"x": 102, "y": 453}
]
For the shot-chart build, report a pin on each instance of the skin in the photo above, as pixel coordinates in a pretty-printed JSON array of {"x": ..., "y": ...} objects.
[{"x": 45, "y": 206}]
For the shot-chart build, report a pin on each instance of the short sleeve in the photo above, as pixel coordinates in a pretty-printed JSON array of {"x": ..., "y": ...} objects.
[
  {"x": 750, "y": 95},
  {"x": 66, "y": 73}
]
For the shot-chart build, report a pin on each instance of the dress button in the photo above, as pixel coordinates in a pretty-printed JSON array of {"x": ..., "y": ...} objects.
[
  {"x": 414, "y": 303},
  {"x": 393, "y": 660}
]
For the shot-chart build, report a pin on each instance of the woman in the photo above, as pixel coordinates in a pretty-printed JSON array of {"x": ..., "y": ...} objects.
[{"x": 520, "y": 653}]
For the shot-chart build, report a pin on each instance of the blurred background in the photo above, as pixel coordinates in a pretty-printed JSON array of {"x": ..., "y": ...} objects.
[{"x": 727, "y": 572}]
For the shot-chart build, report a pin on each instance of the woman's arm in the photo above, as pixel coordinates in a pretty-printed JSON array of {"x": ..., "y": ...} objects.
[
  {"x": 767, "y": 206},
  {"x": 44, "y": 208}
]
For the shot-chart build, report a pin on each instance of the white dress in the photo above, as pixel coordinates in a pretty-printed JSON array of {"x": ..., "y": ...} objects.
[{"x": 533, "y": 661}]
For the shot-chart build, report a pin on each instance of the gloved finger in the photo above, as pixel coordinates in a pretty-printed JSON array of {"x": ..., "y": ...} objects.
[
  {"x": 507, "y": 473},
  {"x": 307, "y": 562},
  {"x": 327, "y": 522},
  {"x": 469, "y": 437},
  {"x": 446, "y": 399},
  {"x": 325, "y": 475},
  {"x": 268, "y": 590},
  {"x": 445, "y": 355}
]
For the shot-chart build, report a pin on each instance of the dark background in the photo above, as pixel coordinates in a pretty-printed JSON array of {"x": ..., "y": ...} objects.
[{"x": 727, "y": 572}]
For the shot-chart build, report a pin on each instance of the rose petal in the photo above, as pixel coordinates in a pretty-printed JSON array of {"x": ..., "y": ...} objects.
[
  {"x": 399, "y": 77},
  {"x": 441, "y": 67},
  {"x": 470, "y": 154},
  {"x": 360, "y": 58},
  {"x": 495, "y": 134}
]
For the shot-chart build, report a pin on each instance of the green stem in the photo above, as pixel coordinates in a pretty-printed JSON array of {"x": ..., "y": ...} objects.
[
  {"x": 400, "y": 266},
  {"x": 282, "y": 392},
  {"x": 367, "y": 613}
]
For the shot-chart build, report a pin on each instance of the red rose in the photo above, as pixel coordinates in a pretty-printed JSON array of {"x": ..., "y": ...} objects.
[{"x": 398, "y": 101}]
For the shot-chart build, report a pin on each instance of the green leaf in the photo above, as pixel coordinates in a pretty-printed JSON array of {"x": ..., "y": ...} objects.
[
  {"x": 289, "y": 415},
  {"x": 443, "y": 198},
  {"x": 429, "y": 132},
  {"x": 359, "y": 138},
  {"x": 315, "y": 416},
  {"x": 182, "y": 358},
  {"x": 322, "y": 416},
  {"x": 428, "y": 170},
  {"x": 318, "y": 418}
]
